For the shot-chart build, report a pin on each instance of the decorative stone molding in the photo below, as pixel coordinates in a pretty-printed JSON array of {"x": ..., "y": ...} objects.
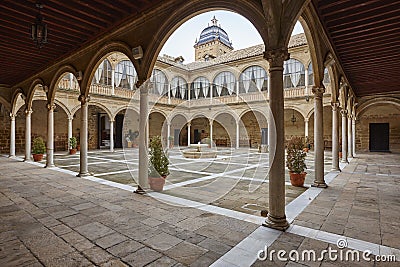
[
  {"x": 343, "y": 112},
  {"x": 28, "y": 112},
  {"x": 276, "y": 57},
  {"x": 335, "y": 105},
  {"x": 51, "y": 106},
  {"x": 13, "y": 116}
]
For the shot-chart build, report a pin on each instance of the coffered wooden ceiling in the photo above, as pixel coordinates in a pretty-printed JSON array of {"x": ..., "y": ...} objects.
[
  {"x": 364, "y": 33},
  {"x": 366, "y": 37}
]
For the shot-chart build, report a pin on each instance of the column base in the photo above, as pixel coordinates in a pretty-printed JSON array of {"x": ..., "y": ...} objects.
[
  {"x": 280, "y": 224},
  {"x": 139, "y": 191},
  {"x": 319, "y": 184},
  {"x": 27, "y": 160},
  {"x": 336, "y": 170},
  {"x": 83, "y": 174},
  {"x": 344, "y": 161},
  {"x": 12, "y": 156},
  {"x": 49, "y": 166}
]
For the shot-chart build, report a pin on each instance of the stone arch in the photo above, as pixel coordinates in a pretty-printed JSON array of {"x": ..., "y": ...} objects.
[
  {"x": 58, "y": 75},
  {"x": 260, "y": 110},
  {"x": 376, "y": 101},
  {"x": 187, "y": 10},
  {"x": 101, "y": 54},
  {"x": 230, "y": 112},
  {"x": 298, "y": 110},
  {"x": 15, "y": 104},
  {"x": 251, "y": 134},
  {"x": 31, "y": 93},
  {"x": 63, "y": 106},
  {"x": 121, "y": 108},
  {"x": 154, "y": 119},
  {"x": 173, "y": 114}
]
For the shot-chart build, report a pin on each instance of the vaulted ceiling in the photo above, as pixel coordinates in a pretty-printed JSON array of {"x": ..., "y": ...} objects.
[{"x": 365, "y": 35}]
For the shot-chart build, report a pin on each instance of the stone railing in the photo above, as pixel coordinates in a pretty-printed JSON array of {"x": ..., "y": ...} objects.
[
  {"x": 66, "y": 85},
  {"x": 100, "y": 89}
]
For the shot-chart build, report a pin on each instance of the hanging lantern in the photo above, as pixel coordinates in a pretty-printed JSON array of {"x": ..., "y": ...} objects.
[{"x": 39, "y": 29}]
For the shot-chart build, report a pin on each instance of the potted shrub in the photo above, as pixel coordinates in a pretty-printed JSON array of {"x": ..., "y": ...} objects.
[
  {"x": 72, "y": 145},
  {"x": 158, "y": 165},
  {"x": 130, "y": 137},
  {"x": 38, "y": 149},
  {"x": 295, "y": 161}
]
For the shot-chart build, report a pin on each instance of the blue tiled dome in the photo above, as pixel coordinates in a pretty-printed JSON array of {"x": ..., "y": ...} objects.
[{"x": 212, "y": 33}]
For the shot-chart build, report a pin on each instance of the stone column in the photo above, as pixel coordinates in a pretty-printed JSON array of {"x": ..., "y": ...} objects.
[
  {"x": 306, "y": 82},
  {"x": 349, "y": 136},
  {"x": 112, "y": 80},
  {"x": 344, "y": 136},
  {"x": 353, "y": 127},
  {"x": 306, "y": 127},
  {"x": 83, "y": 156},
  {"x": 50, "y": 136},
  {"x": 188, "y": 127},
  {"x": 335, "y": 137},
  {"x": 276, "y": 214},
  {"x": 318, "y": 137},
  {"x": 237, "y": 133},
  {"x": 28, "y": 135},
  {"x": 12, "y": 135},
  {"x": 211, "y": 132},
  {"x": 69, "y": 128},
  {"x": 111, "y": 136},
  {"x": 143, "y": 122},
  {"x": 168, "y": 134}
]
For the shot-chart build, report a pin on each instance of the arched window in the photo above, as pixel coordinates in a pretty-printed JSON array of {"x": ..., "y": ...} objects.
[
  {"x": 125, "y": 75},
  {"x": 160, "y": 82},
  {"x": 310, "y": 74},
  {"x": 224, "y": 84},
  {"x": 103, "y": 73},
  {"x": 253, "y": 79},
  {"x": 327, "y": 79},
  {"x": 293, "y": 73},
  {"x": 179, "y": 88},
  {"x": 200, "y": 88}
]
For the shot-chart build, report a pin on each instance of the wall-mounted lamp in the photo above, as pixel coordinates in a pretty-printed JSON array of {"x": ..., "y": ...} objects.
[
  {"x": 293, "y": 118},
  {"x": 307, "y": 98}
]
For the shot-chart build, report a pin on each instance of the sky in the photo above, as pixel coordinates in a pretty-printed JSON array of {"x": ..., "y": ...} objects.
[{"x": 240, "y": 31}]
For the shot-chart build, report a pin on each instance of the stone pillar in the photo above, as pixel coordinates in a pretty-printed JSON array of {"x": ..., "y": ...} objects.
[
  {"x": 306, "y": 127},
  {"x": 143, "y": 122},
  {"x": 111, "y": 136},
  {"x": 12, "y": 135},
  {"x": 168, "y": 135},
  {"x": 335, "y": 137},
  {"x": 50, "y": 136},
  {"x": 344, "y": 136},
  {"x": 237, "y": 133},
  {"x": 353, "y": 127},
  {"x": 318, "y": 137},
  {"x": 169, "y": 93},
  {"x": 349, "y": 136},
  {"x": 83, "y": 156},
  {"x": 188, "y": 127},
  {"x": 211, "y": 132},
  {"x": 28, "y": 135},
  {"x": 306, "y": 82},
  {"x": 69, "y": 129},
  {"x": 112, "y": 80},
  {"x": 276, "y": 214}
]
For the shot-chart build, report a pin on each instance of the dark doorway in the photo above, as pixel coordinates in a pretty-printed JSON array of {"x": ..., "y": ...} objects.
[
  {"x": 264, "y": 136},
  {"x": 197, "y": 136},
  {"x": 379, "y": 137},
  {"x": 119, "y": 122},
  {"x": 176, "y": 137}
]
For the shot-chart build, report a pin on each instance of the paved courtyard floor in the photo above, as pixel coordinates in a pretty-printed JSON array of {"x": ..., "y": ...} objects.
[{"x": 49, "y": 217}]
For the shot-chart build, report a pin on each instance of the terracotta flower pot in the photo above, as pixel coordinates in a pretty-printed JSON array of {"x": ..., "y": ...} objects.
[
  {"x": 305, "y": 149},
  {"x": 297, "y": 179},
  {"x": 340, "y": 154},
  {"x": 72, "y": 151},
  {"x": 157, "y": 183},
  {"x": 78, "y": 147},
  {"x": 37, "y": 157}
]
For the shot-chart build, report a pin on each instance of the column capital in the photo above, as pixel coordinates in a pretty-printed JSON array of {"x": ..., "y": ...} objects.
[
  {"x": 12, "y": 116},
  {"x": 343, "y": 112},
  {"x": 276, "y": 57},
  {"x": 50, "y": 106},
  {"x": 318, "y": 91},
  {"x": 28, "y": 112},
  {"x": 70, "y": 118},
  {"x": 306, "y": 119},
  {"x": 83, "y": 99},
  {"x": 139, "y": 82},
  {"x": 189, "y": 123},
  {"x": 335, "y": 105},
  {"x": 349, "y": 116}
]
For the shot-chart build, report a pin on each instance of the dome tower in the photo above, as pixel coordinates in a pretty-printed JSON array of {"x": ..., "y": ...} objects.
[{"x": 213, "y": 41}]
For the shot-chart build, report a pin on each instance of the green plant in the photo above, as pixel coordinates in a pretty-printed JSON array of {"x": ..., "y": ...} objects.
[
  {"x": 158, "y": 161},
  {"x": 295, "y": 158},
  {"x": 72, "y": 142},
  {"x": 39, "y": 146}
]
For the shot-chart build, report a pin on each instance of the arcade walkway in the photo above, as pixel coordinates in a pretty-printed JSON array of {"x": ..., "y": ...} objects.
[{"x": 52, "y": 218}]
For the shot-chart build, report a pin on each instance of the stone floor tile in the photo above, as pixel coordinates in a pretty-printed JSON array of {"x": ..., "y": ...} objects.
[
  {"x": 97, "y": 255},
  {"x": 142, "y": 257},
  {"x": 110, "y": 240},
  {"x": 185, "y": 252},
  {"x": 94, "y": 230},
  {"x": 163, "y": 262},
  {"x": 114, "y": 263},
  {"x": 162, "y": 241},
  {"x": 125, "y": 248},
  {"x": 215, "y": 246},
  {"x": 206, "y": 259}
]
